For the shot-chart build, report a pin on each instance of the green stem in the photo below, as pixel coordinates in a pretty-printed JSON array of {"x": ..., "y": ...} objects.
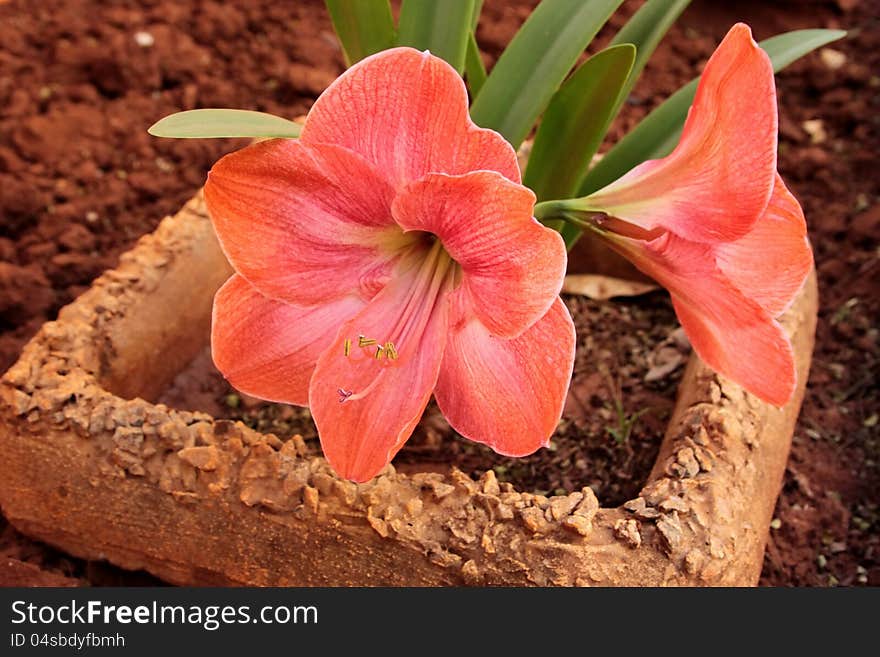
[{"x": 555, "y": 214}]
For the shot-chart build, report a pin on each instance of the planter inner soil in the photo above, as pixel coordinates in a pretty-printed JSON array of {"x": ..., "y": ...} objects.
[{"x": 608, "y": 438}]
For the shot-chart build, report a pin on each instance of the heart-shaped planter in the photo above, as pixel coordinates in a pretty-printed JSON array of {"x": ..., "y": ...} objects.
[{"x": 88, "y": 465}]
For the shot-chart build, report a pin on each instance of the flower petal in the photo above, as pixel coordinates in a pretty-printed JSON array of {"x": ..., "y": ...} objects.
[
  {"x": 366, "y": 407},
  {"x": 745, "y": 345},
  {"x": 512, "y": 266},
  {"x": 406, "y": 113},
  {"x": 717, "y": 182},
  {"x": 268, "y": 348},
  {"x": 303, "y": 224},
  {"x": 771, "y": 262},
  {"x": 731, "y": 332},
  {"x": 507, "y": 394}
]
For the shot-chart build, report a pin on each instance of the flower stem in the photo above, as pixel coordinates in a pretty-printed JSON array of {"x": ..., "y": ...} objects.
[{"x": 554, "y": 214}]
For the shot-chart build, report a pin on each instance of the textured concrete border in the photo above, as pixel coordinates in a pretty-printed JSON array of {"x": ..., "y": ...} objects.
[{"x": 91, "y": 467}]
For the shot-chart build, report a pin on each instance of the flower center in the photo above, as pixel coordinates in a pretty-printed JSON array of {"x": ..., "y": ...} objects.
[{"x": 427, "y": 273}]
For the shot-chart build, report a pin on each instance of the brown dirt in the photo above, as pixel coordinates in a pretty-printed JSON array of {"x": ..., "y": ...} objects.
[{"x": 80, "y": 180}]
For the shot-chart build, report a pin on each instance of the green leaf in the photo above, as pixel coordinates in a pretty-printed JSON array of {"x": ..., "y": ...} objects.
[
  {"x": 536, "y": 62},
  {"x": 201, "y": 123},
  {"x": 658, "y": 133},
  {"x": 441, "y": 27},
  {"x": 574, "y": 123},
  {"x": 645, "y": 30},
  {"x": 364, "y": 27},
  {"x": 474, "y": 70},
  {"x": 475, "y": 17}
]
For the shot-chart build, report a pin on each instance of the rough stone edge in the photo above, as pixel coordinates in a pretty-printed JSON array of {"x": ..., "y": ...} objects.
[{"x": 196, "y": 501}]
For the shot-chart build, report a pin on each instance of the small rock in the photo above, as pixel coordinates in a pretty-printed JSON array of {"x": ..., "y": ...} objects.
[
  {"x": 470, "y": 572},
  {"x": 489, "y": 483},
  {"x": 701, "y": 436},
  {"x": 664, "y": 363},
  {"x": 705, "y": 458},
  {"x": 680, "y": 338},
  {"x": 640, "y": 508},
  {"x": 563, "y": 506},
  {"x": 533, "y": 519},
  {"x": 144, "y": 39},
  {"x": 833, "y": 59},
  {"x": 578, "y": 524},
  {"x": 205, "y": 458},
  {"x": 628, "y": 530},
  {"x": 440, "y": 490},
  {"x": 688, "y": 461},
  {"x": 310, "y": 498},
  {"x": 589, "y": 505},
  {"x": 816, "y": 129},
  {"x": 669, "y": 527},
  {"x": 693, "y": 561},
  {"x": 658, "y": 490},
  {"x": 674, "y": 503},
  {"x": 378, "y": 524}
]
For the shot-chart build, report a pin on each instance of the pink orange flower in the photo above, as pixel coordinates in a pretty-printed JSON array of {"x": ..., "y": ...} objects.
[
  {"x": 714, "y": 223},
  {"x": 388, "y": 254}
]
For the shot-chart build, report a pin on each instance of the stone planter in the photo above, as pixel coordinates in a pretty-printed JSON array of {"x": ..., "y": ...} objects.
[{"x": 89, "y": 465}]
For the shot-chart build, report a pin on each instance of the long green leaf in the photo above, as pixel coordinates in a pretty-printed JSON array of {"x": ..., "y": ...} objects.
[
  {"x": 574, "y": 123},
  {"x": 536, "y": 62},
  {"x": 475, "y": 16},
  {"x": 364, "y": 27},
  {"x": 200, "y": 123},
  {"x": 441, "y": 27},
  {"x": 645, "y": 30},
  {"x": 474, "y": 70},
  {"x": 658, "y": 133}
]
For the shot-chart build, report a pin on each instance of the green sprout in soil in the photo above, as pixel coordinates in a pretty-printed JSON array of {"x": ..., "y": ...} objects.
[{"x": 625, "y": 422}]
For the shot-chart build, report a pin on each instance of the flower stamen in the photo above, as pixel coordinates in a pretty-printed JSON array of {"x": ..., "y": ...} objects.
[{"x": 390, "y": 351}]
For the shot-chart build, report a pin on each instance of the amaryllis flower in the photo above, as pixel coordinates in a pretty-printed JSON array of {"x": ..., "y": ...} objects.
[
  {"x": 388, "y": 254},
  {"x": 714, "y": 223}
]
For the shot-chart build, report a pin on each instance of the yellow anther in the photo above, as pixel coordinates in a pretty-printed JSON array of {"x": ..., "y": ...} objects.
[
  {"x": 390, "y": 351},
  {"x": 347, "y": 346},
  {"x": 365, "y": 342},
  {"x": 379, "y": 352}
]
